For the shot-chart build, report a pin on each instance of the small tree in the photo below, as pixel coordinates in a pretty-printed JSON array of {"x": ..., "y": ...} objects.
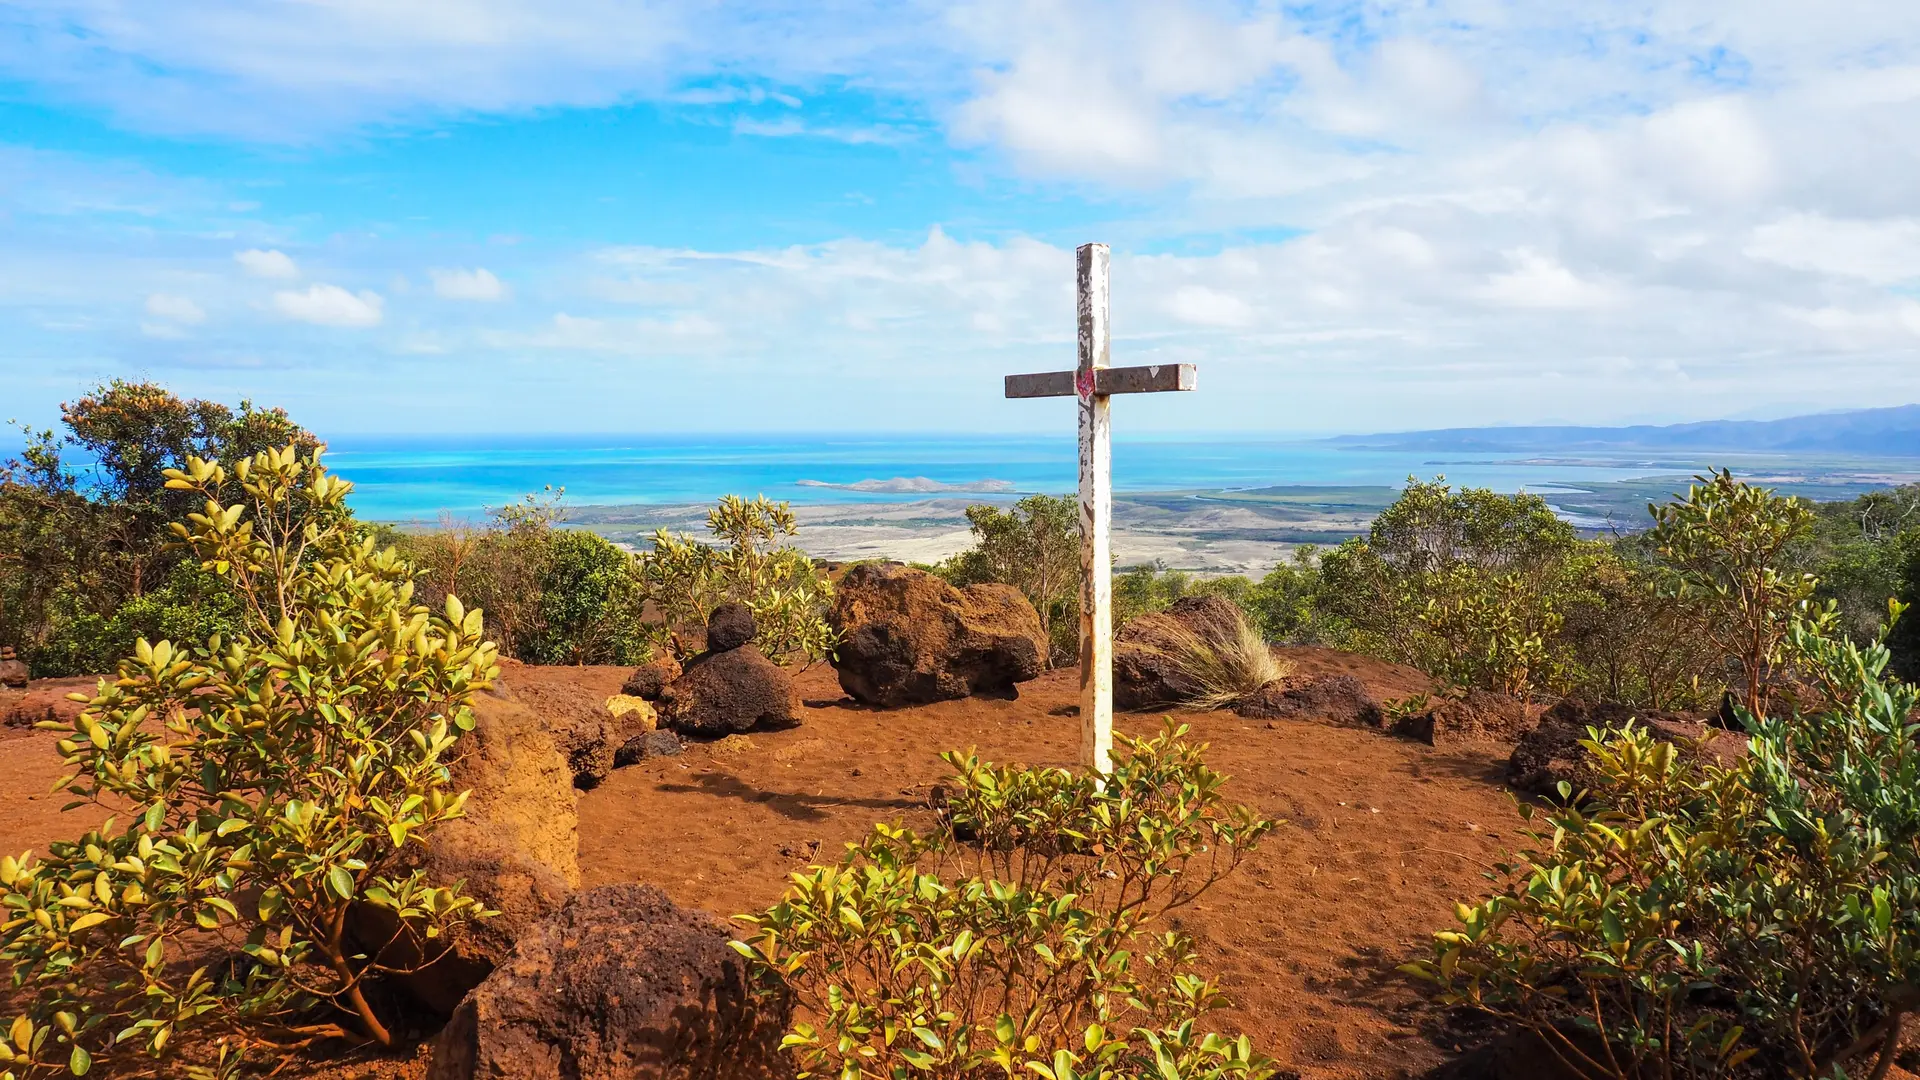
[
  {"x": 1034, "y": 547},
  {"x": 686, "y": 579},
  {"x": 271, "y": 781},
  {"x": 1023, "y": 937},
  {"x": 1726, "y": 543}
]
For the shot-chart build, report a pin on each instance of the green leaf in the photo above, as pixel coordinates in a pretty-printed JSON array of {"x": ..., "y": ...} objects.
[
  {"x": 341, "y": 882},
  {"x": 79, "y": 1061}
]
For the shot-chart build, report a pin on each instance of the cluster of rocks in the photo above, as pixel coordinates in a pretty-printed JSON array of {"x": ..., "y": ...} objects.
[
  {"x": 1551, "y": 755},
  {"x": 611, "y": 983}
]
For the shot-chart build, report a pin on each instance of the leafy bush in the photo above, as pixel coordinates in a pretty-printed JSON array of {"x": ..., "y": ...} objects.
[
  {"x": 552, "y": 595},
  {"x": 686, "y": 579},
  {"x": 1034, "y": 547},
  {"x": 80, "y": 540},
  {"x": 189, "y": 605},
  {"x": 1282, "y": 603},
  {"x": 271, "y": 780},
  {"x": 1692, "y": 917},
  {"x": 1727, "y": 543},
  {"x": 1627, "y": 640},
  {"x": 1468, "y": 586},
  {"x": 1022, "y": 937}
]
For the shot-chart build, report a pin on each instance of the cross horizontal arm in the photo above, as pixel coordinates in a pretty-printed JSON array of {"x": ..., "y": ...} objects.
[{"x": 1149, "y": 379}]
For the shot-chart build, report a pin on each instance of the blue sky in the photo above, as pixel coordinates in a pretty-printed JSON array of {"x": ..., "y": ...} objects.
[{"x": 590, "y": 215}]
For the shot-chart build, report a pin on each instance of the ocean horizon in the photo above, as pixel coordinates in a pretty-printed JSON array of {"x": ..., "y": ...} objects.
[{"x": 419, "y": 478}]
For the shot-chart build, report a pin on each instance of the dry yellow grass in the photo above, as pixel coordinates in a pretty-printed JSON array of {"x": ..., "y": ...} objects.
[{"x": 1226, "y": 668}]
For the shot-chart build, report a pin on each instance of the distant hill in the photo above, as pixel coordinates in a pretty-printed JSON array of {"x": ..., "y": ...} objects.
[{"x": 1879, "y": 432}]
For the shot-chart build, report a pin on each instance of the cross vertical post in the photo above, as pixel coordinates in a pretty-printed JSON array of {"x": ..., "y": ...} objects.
[
  {"x": 1094, "y": 382},
  {"x": 1092, "y": 262}
]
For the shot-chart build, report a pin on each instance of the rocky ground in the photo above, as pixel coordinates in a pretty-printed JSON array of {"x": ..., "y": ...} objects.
[{"x": 1383, "y": 834}]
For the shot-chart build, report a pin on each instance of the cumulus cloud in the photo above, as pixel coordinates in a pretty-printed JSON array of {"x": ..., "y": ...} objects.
[
  {"x": 330, "y": 305},
  {"x": 476, "y": 284},
  {"x": 267, "y": 264}
]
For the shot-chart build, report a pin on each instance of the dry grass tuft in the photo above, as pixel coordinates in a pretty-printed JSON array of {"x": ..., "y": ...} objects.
[{"x": 1226, "y": 668}]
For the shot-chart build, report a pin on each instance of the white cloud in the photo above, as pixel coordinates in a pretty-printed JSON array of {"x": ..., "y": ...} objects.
[
  {"x": 176, "y": 309},
  {"x": 330, "y": 305},
  {"x": 267, "y": 264},
  {"x": 475, "y": 284}
]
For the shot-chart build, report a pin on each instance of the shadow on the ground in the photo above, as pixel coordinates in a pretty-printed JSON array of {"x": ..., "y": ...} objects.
[{"x": 795, "y": 806}]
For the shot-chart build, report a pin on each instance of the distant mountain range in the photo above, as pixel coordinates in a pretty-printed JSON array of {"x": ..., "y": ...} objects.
[{"x": 1879, "y": 432}]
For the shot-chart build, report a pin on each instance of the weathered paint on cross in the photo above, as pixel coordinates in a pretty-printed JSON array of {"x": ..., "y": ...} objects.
[{"x": 1093, "y": 381}]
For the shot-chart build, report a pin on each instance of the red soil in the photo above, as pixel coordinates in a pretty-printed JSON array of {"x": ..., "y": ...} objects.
[{"x": 1384, "y": 835}]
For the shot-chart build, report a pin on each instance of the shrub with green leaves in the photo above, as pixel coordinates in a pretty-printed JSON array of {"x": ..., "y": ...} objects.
[
  {"x": 1025, "y": 935},
  {"x": 1727, "y": 544},
  {"x": 266, "y": 782},
  {"x": 685, "y": 579},
  {"x": 83, "y": 522},
  {"x": 553, "y": 595},
  {"x": 1692, "y": 920},
  {"x": 1466, "y": 585}
]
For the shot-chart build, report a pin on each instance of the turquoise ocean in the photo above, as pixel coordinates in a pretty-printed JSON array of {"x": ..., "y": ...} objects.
[{"x": 412, "y": 479}]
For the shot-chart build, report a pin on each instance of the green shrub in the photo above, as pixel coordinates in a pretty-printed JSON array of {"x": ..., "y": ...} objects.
[
  {"x": 552, "y": 595},
  {"x": 1024, "y": 936},
  {"x": 685, "y": 579},
  {"x": 269, "y": 780},
  {"x": 1690, "y": 918},
  {"x": 1727, "y": 544},
  {"x": 1282, "y": 603},
  {"x": 80, "y": 541},
  {"x": 189, "y": 605},
  {"x": 1628, "y": 641},
  {"x": 1466, "y": 585}
]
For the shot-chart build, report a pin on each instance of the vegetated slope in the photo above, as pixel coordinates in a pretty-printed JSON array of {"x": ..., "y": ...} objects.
[{"x": 1891, "y": 431}]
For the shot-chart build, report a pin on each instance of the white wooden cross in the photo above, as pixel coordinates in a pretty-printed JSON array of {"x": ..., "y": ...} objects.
[{"x": 1093, "y": 381}]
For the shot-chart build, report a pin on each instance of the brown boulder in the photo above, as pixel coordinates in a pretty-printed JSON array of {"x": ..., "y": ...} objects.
[
  {"x": 1331, "y": 699},
  {"x": 1551, "y": 753},
  {"x": 517, "y": 848},
  {"x": 650, "y": 679},
  {"x": 13, "y": 670},
  {"x": 729, "y": 627},
  {"x": 729, "y": 692},
  {"x": 621, "y": 984},
  {"x": 1146, "y": 674},
  {"x": 1476, "y": 716},
  {"x": 573, "y": 703},
  {"x": 909, "y": 638}
]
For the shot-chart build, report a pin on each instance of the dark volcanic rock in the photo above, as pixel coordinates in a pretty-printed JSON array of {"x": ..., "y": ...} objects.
[
  {"x": 648, "y": 744},
  {"x": 621, "y": 985},
  {"x": 1551, "y": 753},
  {"x": 650, "y": 679},
  {"x": 1146, "y": 673},
  {"x": 729, "y": 627},
  {"x": 1334, "y": 699},
  {"x": 728, "y": 692},
  {"x": 909, "y": 638},
  {"x": 1479, "y": 716}
]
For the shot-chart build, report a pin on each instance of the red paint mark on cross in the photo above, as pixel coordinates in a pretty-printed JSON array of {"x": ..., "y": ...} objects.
[{"x": 1083, "y": 383}]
